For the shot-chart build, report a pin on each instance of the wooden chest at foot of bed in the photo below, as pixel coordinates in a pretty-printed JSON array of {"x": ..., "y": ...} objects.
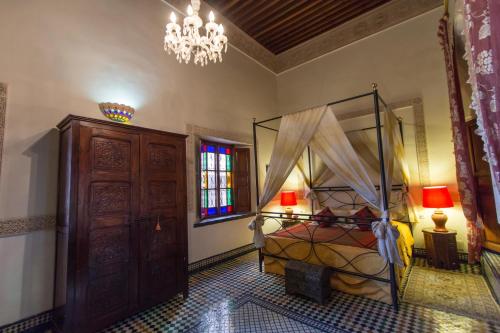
[{"x": 311, "y": 281}]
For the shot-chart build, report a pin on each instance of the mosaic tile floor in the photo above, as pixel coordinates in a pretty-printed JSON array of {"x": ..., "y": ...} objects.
[{"x": 235, "y": 297}]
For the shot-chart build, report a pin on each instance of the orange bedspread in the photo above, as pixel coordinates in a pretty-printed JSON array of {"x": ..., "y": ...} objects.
[
  {"x": 333, "y": 247},
  {"x": 334, "y": 234}
]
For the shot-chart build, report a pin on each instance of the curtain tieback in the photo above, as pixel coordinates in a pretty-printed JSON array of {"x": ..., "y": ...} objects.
[
  {"x": 310, "y": 194},
  {"x": 387, "y": 237},
  {"x": 256, "y": 223},
  {"x": 379, "y": 229},
  {"x": 256, "y": 226}
]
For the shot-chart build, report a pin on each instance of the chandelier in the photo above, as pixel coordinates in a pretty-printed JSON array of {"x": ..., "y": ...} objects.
[{"x": 208, "y": 47}]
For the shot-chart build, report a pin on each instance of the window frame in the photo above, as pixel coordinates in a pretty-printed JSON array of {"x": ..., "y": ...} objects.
[{"x": 217, "y": 180}]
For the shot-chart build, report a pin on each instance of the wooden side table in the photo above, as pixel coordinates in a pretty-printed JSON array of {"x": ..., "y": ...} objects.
[{"x": 441, "y": 248}]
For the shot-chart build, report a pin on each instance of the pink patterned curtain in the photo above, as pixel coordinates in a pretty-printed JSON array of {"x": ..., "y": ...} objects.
[
  {"x": 482, "y": 46},
  {"x": 465, "y": 178}
]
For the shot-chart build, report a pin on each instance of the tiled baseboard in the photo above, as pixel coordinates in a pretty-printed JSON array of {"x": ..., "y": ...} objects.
[
  {"x": 33, "y": 324},
  {"x": 41, "y": 322},
  {"x": 219, "y": 258},
  {"x": 418, "y": 252}
]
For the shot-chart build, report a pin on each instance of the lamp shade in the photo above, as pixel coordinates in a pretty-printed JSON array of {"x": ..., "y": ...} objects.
[
  {"x": 288, "y": 198},
  {"x": 436, "y": 197}
]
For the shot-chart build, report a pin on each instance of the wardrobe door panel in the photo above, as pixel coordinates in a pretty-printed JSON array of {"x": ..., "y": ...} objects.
[
  {"x": 158, "y": 260},
  {"x": 109, "y": 192},
  {"x": 163, "y": 226}
]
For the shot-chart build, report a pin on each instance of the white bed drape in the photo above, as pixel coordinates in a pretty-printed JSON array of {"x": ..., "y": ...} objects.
[
  {"x": 363, "y": 145},
  {"x": 334, "y": 149},
  {"x": 320, "y": 129},
  {"x": 325, "y": 174},
  {"x": 398, "y": 151},
  {"x": 295, "y": 132},
  {"x": 332, "y": 146}
]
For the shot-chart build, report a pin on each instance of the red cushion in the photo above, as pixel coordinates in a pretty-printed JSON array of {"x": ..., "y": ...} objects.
[
  {"x": 323, "y": 223},
  {"x": 364, "y": 213}
]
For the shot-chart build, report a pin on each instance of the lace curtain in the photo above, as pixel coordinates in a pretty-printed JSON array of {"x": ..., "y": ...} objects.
[
  {"x": 465, "y": 178},
  {"x": 482, "y": 47}
]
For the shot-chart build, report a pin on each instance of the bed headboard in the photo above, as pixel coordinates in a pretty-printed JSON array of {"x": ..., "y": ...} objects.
[{"x": 347, "y": 198}]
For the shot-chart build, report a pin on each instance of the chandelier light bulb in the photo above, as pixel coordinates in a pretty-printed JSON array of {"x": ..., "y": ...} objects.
[{"x": 193, "y": 39}]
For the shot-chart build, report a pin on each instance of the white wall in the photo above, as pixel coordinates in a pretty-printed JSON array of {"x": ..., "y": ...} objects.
[
  {"x": 407, "y": 62},
  {"x": 61, "y": 57}
]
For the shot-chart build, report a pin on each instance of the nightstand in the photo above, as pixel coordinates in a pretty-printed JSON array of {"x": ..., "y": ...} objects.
[{"x": 441, "y": 248}]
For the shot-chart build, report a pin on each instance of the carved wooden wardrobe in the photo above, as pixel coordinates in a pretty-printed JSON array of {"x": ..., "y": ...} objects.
[{"x": 121, "y": 224}]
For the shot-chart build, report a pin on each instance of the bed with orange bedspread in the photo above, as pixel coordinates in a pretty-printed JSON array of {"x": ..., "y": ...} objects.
[{"x": 343, "y": 247}]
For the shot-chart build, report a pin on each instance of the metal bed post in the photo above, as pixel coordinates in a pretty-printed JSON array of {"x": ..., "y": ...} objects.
[
  {"x": 310, "y": 176},
  {"x": 383, "y": 189},
  {"x": 405, "y": 191},
  {"x": 400, "y": 123},
  {"x": 257, "y": 192}
]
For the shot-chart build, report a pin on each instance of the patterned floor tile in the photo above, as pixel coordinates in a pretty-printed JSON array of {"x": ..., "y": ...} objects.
[
  {"x": 216, "y": 288},
  {"x": 250, "y": 314},
  {"x": 463, "y": 267}
]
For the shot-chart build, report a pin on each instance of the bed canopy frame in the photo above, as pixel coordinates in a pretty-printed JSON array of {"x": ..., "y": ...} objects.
[{"x": 377, "y": 100}]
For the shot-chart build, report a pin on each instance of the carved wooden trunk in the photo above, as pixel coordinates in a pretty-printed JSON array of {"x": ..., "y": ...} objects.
[
  {"x": 121, "y": 226},
  {"x": 311, "y": 281}
]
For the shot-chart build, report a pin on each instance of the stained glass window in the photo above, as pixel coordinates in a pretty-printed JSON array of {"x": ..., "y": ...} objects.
[{"x": 216, "y": 188}]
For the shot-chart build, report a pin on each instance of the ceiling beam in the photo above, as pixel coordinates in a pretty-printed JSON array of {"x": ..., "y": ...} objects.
[
  {"x": 328, "y": 16},
  {"x": 310, "y": 4},
  {"x": 315, "y": 30}
]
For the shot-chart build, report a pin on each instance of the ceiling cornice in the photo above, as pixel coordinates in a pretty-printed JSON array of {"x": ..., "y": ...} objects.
[{"x": 379, "y": 19}]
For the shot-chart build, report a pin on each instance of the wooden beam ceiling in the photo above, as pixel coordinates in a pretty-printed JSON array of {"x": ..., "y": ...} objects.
[{"x": 279, "y": 25}]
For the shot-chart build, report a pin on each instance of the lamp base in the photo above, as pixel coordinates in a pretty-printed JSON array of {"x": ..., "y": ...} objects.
[
  {"x": 289, "y": 212},
  {"x": 439, "y": 219}
]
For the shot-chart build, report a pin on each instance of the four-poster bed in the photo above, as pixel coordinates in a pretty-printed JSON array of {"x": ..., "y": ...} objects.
[{"x": 366, "y": 252}]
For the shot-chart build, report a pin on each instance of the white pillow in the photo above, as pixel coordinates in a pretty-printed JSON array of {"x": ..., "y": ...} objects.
[{"x": 343, "y": 212}]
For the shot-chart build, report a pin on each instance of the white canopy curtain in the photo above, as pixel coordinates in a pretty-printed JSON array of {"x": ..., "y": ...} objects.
[
  {"x": 296, "y": 130},
  {"x": 393, "y": 146},
  {"x": 363, "y": 145},
  {"x": 320, "y": 129},
  {"x": 332, "y": 146},
  {"x": 325, "y": 174},
  {"x": 396, "y": 148}
]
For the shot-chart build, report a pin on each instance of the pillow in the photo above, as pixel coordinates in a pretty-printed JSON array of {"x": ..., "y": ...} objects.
[
  {"x": 343, "y": 212},
  {"x": 323, "y": 223},
  {"x": 364, "y": 213}
]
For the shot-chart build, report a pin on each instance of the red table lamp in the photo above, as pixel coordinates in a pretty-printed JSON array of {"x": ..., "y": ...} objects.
[
  {"x": 437, "y": 197},
  {"x": 288, "y": 199}
]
